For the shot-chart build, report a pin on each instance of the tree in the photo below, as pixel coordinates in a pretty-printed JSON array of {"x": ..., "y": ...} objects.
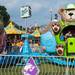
[{"x": 4, "y": 16}]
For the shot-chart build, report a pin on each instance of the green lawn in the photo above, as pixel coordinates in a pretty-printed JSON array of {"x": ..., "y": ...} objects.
[{"x": 45, "y": 69}]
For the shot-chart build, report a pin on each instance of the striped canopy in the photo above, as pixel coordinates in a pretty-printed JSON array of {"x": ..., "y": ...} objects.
[
  {"x": 11, "y": 29},
  {"x": 36, "y": 33}
]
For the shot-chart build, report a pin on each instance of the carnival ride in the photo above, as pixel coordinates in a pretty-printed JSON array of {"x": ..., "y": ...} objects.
[
  {"x": 47, "y": 48},
  {"x": 61, "y": 43}
]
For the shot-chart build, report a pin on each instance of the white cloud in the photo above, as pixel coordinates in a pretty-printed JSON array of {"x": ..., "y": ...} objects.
[
  {"x": 36, "y": 6},
  {"x": 40, "y": 8},
  {"x": 16, "y": 4},
  {"x": 8, "y": 3}
]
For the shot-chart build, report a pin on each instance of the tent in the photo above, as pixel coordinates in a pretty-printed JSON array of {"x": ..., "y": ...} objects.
[
  {"x": 11, "y": 29},
  {"x": 36, "y": 33}
]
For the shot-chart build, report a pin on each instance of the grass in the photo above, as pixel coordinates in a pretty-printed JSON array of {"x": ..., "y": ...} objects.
[
  {"x": 11, "y": 71},
  {"x": 45, "y": 69}
]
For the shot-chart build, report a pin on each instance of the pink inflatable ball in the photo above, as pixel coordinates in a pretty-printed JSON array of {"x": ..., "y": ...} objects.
[{"x": 43, "y": 49}]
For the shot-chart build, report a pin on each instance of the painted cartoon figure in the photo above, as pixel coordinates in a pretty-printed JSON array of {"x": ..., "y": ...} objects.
[
  {"x": 55, "y": 27},
  {"x": 65, "y": 32}
]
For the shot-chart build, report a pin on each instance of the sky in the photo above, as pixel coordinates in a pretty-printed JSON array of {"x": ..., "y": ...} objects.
[{"x": 40, "y": 10}]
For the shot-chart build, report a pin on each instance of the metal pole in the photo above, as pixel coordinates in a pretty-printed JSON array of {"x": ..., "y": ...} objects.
[
  {"x": 26, "y": 25},
  {"x": 67, "y": 68},
  {"x": 50, "y": 14}
]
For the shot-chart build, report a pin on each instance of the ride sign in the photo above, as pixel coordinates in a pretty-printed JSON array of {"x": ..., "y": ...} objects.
[{"x": 30, "y": 68}]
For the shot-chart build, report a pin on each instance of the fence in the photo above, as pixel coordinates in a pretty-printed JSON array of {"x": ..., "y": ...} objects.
[{"x": 13, "y": 65}]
